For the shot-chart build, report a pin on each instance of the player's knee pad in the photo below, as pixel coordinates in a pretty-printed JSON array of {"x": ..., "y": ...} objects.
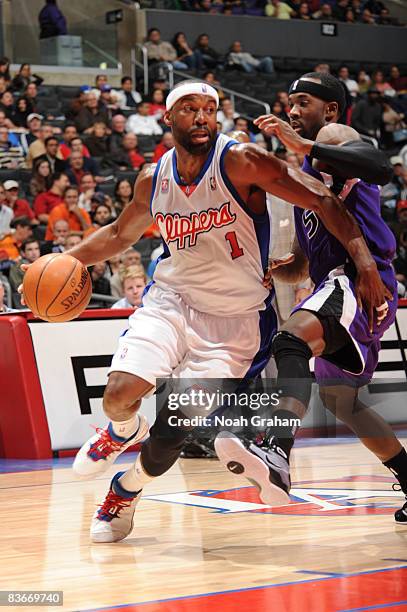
[
  {"x": 292, "y": 357},
  {"x": 163, "y": 447}
]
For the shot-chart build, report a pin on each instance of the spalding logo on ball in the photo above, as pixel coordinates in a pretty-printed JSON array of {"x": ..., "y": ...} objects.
[{"x": 57, "y": 287}]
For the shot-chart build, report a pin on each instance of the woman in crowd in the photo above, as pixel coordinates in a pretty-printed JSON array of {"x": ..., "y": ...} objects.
[
  {"x": 24, "y": 77},
  {"x": 187, "y": 59},
  {"x": 21, "y": 112},
  {"x": 41, "y": 178},
  {"x": 123, "y": 195},
  {"x": 157, "y": 105}
]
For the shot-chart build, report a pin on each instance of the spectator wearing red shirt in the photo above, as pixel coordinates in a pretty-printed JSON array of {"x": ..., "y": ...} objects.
[
  {"x": 70, "y": 133},
  {"x": 20, "y": 207},
  {"x": 157, "y": 105},
  {"x": 397, "y": 82},
  {"x": 45, "y": 202},
  {"x": 167, "y": 143},
  {"x": 127, "y": 156}
]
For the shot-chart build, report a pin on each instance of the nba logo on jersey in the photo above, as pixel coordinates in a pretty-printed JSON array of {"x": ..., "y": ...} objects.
[
  {"x": 165, "y": 185},
  {"x": 212, "y": 182}
]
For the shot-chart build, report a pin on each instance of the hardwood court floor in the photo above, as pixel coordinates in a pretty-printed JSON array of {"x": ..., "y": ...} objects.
[{"x": 203, "y": 542}]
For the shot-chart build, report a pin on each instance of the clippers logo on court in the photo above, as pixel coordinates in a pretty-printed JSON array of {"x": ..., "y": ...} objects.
[
  {"x": 324, "y": 501},
  {"x": 165, "y": 185},
  {"x": 185, "y": 230}
]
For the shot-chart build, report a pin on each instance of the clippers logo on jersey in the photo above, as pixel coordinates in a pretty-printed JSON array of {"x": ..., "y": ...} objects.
[
  {"x": 185, "y": 230},
  {"x": 165, "y": 185},
  {"x": 311, "y": 222},
  {"x": 314, "y": 501}
]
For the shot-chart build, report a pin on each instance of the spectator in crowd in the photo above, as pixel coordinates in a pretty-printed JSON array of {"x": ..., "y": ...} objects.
[
  {"x": 157, "y": 104},
  {"x": 399, "y": 179},
  {"x": 75, "y": 106},
  {"x": 41, "y": 177},
  {"x": 34, "y": 123},
  {"x": 72, "y": 240},
  {"x": 7, "y": 104},
  {"x": 393, "y": 122},
  {"x": 324, "y": 13},
  {"x": 21, "y": 113},
  {"x": 20, "y": 207},
  {"x": 350, "y": 84},
  {"x": 131, "y": 257},
  {"x": 30, "y": 252},
  {"x": 134, "y": 282},
  {"x": 357, "y": 9},
  {"x": 278, "y": 10},
  {"x": 7, "y": 123},
  {"x": 78, "y": 166},
  {"x": 123, "y": 195},
  {"x": 349, "y": 16},
  {"x": 11, "y": 156},
  {"x": 4, "y": 309},
  {"x": 397, "y": 82},
  {"x": 37, "y": 147},
  {"x": 51, "y": 155},
  {"x": 69, "y": 134},
  {"x": 24, "y": 77},
  {"x": 98, "y": 142},
  {"x": 5, "y": 69},
  {"x": 31, "y": 93},
  {"x": 166, "y": 143},
  {"x": 6, "y": 213},
  {"x": 52, "y": 21},
  {"x": 58, "y": 244},
  {"x": 100, "y": 283},
  {"x": 277, "y": 109},
  {"x": 87, "y": 188},
  {"x": 364, "y": 82},
  {"x": 143, "y": 123},
  {"x": 187, "y": 59},
  {"x": 159, "y": 50},
  {"x": 210, "y": 57},
  {"x": 77, "y": 218},
  {"x": 367, "y": 114},
  {"x": 339, "y": 9},
  {"x": 303, "y": 12},
  {"x": 367, "y": 18},
  {"x": 101, "y": 216},
  {"x": 20, "y": 230},
  {"x": 128, "y": 156},
  {"x": 241, "y": 124},
  {"x": 91, "y": 112},
  {"x": 226, "y": 115},
  {"x": 238, "y": 58},
  {"x": 118, "y": 131},
  {"x": 128, "y": 97},
  {"x": 45, "y": 202},
  {"x": 380, "y": 83}
]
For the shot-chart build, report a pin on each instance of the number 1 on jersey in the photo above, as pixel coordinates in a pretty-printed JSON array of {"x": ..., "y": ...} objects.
[{"x": 235, "y": 250}]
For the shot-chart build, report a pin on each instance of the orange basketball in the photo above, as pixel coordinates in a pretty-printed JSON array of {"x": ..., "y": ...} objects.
[{"x": 57, "y": 287}]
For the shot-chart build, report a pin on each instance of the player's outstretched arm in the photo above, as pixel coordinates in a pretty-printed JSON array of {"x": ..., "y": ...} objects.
[
  {"x": 338, "y": 145},
  {"x": 125, "y": 231},
  {"x": 250, "y": 165}
]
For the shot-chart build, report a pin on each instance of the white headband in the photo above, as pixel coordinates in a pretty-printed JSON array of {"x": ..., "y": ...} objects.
[{"x": 189, "y": 89}]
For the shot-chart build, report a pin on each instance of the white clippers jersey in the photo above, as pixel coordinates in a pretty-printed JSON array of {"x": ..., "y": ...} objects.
[{"x": 216, "y": 249}]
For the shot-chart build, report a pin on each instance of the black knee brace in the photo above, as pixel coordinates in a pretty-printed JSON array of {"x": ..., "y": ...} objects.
[
  {"x": 292, "y": 357},
  {"x": 164, "y": 445}
]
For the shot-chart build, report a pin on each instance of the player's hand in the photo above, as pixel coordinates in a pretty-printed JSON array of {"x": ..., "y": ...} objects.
[
  {"x": 372, "y": 296},
  {"x": 272, "y": 125},
  {"x": 24, "y": 268},
  {"x": 273, "y": 264}
]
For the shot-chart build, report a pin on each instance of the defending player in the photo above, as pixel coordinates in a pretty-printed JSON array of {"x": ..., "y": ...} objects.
[
  {"x": 328, "y": 324},
  {"x": 207, "y": 314}
]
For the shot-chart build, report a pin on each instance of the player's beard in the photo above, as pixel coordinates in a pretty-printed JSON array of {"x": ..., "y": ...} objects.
[{"x": 184, "y": 139}]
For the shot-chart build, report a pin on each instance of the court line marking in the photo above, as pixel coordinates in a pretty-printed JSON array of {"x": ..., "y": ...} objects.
[
  {"x": 241, "y": 590},
  {"x": 377, "y": 607}
]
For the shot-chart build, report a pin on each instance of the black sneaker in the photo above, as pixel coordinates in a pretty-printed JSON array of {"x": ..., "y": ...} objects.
[
  {"x": 264, "y": 465},
  {"x": 400, "y": 516}
]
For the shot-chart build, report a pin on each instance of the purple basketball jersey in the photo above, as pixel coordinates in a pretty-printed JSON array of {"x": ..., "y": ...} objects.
[{"x": 324, "y": 251}]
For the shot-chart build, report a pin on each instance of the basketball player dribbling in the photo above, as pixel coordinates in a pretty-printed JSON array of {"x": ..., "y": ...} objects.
[
  {"x": 327, "y": 325},
  {"x": 207, "y": 314}
]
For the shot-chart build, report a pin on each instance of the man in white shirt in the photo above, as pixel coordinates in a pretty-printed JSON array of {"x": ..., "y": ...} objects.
[
  {"x": 143, "y": 123},
  {"x": 6, "y": 213},
  {"x": 351, "y": 85},
  {"x": 128, "y": 97}
]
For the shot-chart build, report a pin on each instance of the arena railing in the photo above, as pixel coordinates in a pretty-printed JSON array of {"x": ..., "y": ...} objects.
[{"x": 135, "y": 63}]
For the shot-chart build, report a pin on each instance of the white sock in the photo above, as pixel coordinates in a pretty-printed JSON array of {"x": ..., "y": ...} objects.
[
  {"x": 125, "y": 429},
  {"x": 135, "y": 478}
]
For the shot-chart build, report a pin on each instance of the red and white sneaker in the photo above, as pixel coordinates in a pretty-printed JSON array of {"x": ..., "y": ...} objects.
[
  {"x": 102, "y": 449},
  {"x": 113, "y": 521}
]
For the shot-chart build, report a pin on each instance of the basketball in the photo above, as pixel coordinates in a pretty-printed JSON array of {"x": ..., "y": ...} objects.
[{"x": 57, "y": 287}]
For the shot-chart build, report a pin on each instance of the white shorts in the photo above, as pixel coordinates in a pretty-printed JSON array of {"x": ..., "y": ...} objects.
[{"x": 166, "y": 337}]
